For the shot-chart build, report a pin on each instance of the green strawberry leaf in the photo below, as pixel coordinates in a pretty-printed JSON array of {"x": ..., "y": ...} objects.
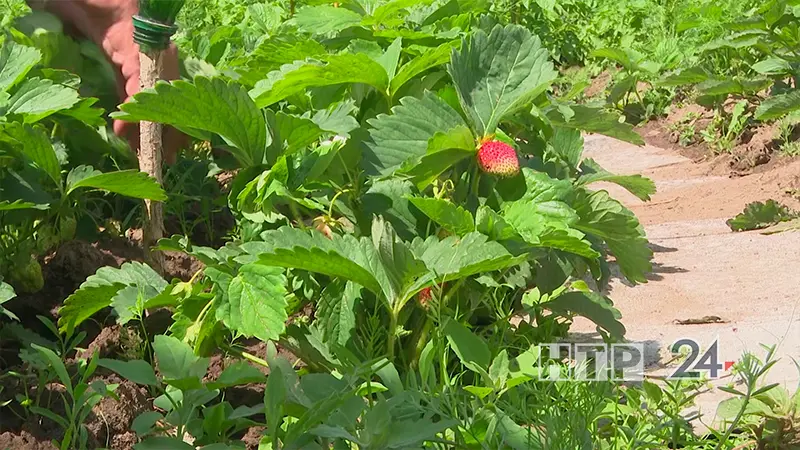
[
  {"x": 405, "y": 134},
  {"x": 498, "y": 74},
  {"x": 606, "y": 218},
  {"x": 256, "y": 302},
  {"x": 591, "y": 305},
  {"x": 100, "y": 290},
  {"x": 38, "y": 98},
  {"x": 454, "y": 258},
  {"x": 130, "y": 183},
  {"x": 444, "y": 151},
  {"x": 448, "y": 215},
  {"x": 36, "y": 146},
  {"x": 759, "y": 215},
  {"x": 330, "y": 70},
  {"x": 290, "y": 134},
  {"x": 342, "y": 256},
  {"x": 208, "y": 105},
  {"x": 336, "y": 311},
  {"x": 272, "y": 53},
  {"x": 15, "y": 62},
  {"x": 778, "y": 106},
  {"x": 567, "y": 143},
  {"x": 772, "y": 66},
  {"x": 325, "y": 19},
  {"x": 391, "y": 57},
  {"x": 338, "y": 118},
  {"x": 547, "y": 225},
  {"x": 429, "y": 59},
  {"x": 591, "y": 172},
  {"x": 593, "y": 120}
]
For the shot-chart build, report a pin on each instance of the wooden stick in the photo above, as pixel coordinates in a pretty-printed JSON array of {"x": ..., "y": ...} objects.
[{"x": 150, "y": 160}]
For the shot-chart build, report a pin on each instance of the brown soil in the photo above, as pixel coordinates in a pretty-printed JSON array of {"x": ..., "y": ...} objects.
[
  {"x": 598, "y": 85},
  {"x": 755, "y": 152}
]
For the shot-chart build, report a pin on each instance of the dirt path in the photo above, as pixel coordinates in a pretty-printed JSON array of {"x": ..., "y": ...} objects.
[{"x": 702, "y": 269}]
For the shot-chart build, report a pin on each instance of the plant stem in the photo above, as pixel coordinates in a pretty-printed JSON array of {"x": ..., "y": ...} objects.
[
  {"x": 150, "y": 157},
  {"x": 394, "y": 313},
  {"x": 248, "y": 356}
]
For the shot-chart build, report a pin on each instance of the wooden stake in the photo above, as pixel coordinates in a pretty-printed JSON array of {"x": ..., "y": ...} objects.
[{"x": 150, "y": 160}]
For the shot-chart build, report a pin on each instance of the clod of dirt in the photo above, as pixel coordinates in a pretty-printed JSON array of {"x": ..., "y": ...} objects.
[
  {"x": 24, "y": 441},
  {"x": 107, "y": 343},
  {"x": 253, "y": 436},
  {"x": 110, "y": 421},
  {"x": 180, "y": 265}
]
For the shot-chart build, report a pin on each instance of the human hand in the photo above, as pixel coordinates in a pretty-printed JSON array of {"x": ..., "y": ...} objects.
[{"x": 109, "y": 24}]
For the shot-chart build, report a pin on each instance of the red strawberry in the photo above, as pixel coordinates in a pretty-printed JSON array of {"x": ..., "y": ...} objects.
[
  {"x": 498, "y": 158},
  {"x": 424, "y": 296}
]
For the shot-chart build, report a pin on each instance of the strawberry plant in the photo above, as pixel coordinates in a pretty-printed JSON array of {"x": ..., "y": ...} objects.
[
  {"x": 44, "y": 190},
  {"x": 361, "y": 215}
]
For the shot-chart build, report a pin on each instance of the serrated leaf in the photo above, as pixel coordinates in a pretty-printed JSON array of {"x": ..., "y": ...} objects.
[
  {"x": 567, "y": 143},
  {"x": 325, "y": 19},
  {"x": 498, "y": 74},
  {"x": 341, "y": 256},
  {"x": 591, "y": 172},
  {"x": 99, "y": 289},
  {"x": 617, "y": 55},
  {"x": 448, "y": 215},
  {"x": 391, "y": 57},
  {"x": 257, "y": 303},
  {"x": 592, "y": 306},
  {"x": 336, "y": 311},
  {"x": 692, "y": 75},
  {"x": 547, "y": 225},
  {"x": 772, "y": 66},
  {"x": 604, "y": 217},
  {"x": 274, "y": 52},
  {"x": 38, "y": 98},
  {"x": 35, "y": 145},
  {"x": 429, "y": 59},
  {"x": 389, "y": 198},
  {"x": 778, "y": 106},
  {"x": 211, "y": 105},
  {"x": 596, "y": 120},
  {"x": 338, "y": 118},
  {"x": 759, "y": 215},
  {"x": 727, "y": 86},
  {"x": 405, "y": 134},
  {"x": 131, "y": 183},
  {"x": 15, "y": 62},
  {"x": 331, "y": 70},
  {"x": 290, "y": 134},
  {"x": 454, "y": 258},
  {"x": 396, "y": 260}
]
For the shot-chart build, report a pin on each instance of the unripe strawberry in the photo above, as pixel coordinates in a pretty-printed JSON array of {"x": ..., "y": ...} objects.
[{"x": 498, "y": 158}]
